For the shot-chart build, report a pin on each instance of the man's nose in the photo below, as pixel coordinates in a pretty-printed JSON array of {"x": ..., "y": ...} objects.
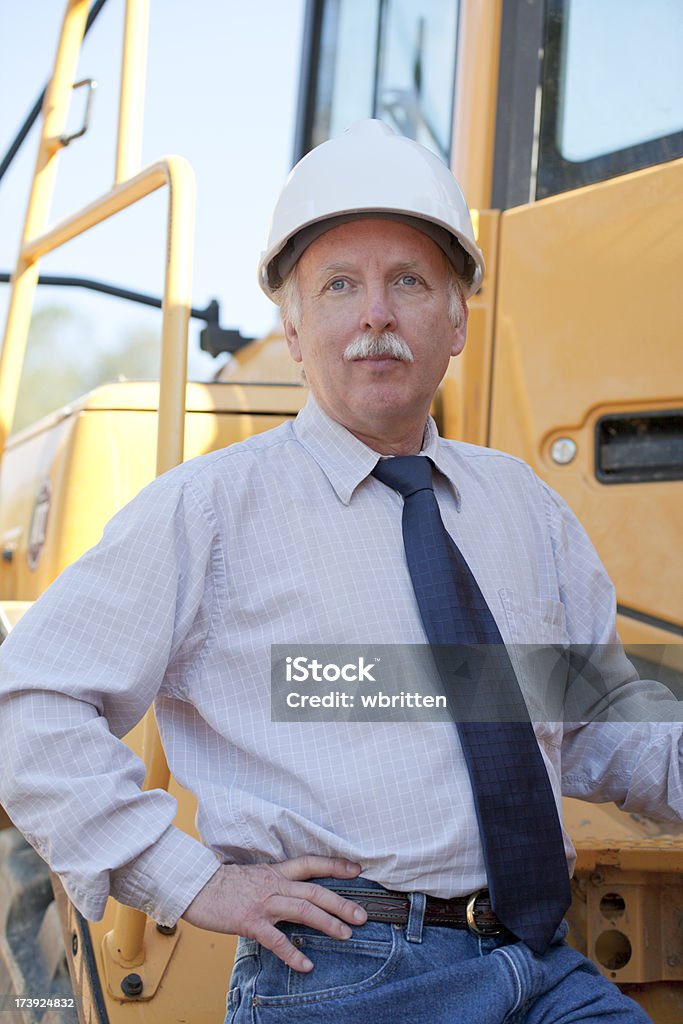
[{"x": 378, "y": 314}]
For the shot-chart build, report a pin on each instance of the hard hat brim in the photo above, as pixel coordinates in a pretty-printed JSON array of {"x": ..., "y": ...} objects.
[{"x": 278, "y": 266}]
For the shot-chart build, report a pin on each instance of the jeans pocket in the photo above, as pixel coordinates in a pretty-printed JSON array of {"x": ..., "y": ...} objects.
[{"x": 341, "y": 967}]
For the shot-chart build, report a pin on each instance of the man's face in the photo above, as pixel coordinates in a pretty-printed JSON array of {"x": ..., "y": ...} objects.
[{"x": 366, "y": 278}]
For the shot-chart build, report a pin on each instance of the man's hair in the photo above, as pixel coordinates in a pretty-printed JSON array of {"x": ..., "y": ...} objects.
[{"x": 288, "y": 296}]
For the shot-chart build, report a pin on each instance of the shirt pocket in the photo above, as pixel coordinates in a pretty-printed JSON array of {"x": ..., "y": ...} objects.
[
  {"x": 537, "y": 640},
  {"x": 533, "y": 620}
]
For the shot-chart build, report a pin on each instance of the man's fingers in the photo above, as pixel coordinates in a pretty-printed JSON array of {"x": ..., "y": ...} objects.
[
  {"x": 309, "y": 866},
  {"x": 251, "y": 899},
  {"x": 277, "y": 942},
  {"x": 330, "y": 901},
  {"x": 300, "y": 911}
]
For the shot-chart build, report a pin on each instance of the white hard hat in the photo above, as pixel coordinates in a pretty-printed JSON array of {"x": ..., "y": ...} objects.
[{"x": 370, "y": 171}]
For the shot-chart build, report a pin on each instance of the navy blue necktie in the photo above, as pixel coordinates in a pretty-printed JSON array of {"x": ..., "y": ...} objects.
[{"x": 520, "y": 832}]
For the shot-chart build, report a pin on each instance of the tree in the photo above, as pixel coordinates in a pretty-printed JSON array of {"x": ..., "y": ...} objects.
[{"x": 64, "y": 361}]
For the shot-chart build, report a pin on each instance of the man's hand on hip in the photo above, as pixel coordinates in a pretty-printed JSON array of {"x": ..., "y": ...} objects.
[{"x": 250, "y": 899}]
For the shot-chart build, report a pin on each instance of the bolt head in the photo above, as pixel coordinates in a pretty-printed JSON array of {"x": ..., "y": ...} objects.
[
  {"x": 563, "y": 451},
  {"x": 131, "y": 985}
]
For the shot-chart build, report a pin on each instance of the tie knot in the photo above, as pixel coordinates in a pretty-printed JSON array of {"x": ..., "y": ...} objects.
[{"x": 405, "y": 473}]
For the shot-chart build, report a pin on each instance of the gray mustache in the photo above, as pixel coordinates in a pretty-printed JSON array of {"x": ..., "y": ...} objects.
[{"x": 370, "y": 344}]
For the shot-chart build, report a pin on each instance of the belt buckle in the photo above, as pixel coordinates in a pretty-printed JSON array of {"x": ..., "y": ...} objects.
[{"x": 470, "y": 911}]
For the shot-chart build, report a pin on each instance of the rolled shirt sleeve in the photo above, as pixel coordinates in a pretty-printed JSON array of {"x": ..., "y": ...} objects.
[
  {"x": 77, "y": 673},
  {"x": 635, "y": 764},
  {"x": 635, "y": 758}
]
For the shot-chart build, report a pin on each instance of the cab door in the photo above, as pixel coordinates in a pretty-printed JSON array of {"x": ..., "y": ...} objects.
[{"x": 587, "y": 368}]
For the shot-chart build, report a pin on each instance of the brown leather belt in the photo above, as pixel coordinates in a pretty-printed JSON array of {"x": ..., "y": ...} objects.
[{"x": 473, "y": 912}]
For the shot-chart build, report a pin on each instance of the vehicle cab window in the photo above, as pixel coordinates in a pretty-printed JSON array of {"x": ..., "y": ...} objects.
[
  {"x": 391, "y": 59},
  {"x": 612, "y": 90}
]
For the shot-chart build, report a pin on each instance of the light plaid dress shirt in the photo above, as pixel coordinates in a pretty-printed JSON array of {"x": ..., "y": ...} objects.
[{"x": 286, "y": 539}]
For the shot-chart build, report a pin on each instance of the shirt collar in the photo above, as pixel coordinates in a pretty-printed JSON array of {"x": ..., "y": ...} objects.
[{"x": 345, "y": 460}]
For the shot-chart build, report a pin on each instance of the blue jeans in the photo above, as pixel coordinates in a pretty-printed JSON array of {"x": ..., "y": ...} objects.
[{"x": 415, "y": 974}]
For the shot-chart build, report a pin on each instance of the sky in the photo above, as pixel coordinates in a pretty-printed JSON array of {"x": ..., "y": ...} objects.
[{"x": 222, "y": 87}]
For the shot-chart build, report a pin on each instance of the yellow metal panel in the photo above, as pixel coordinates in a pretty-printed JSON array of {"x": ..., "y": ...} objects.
[
  {"x": 266, "y": 360},
  {"x": 467, "y": 384},
  {"x": 628, "y": 903},
  {"x": 588, "y": 314},
  {"x": 198, "y": 954},
  {"x": 241, "y": 397},
  {"x": 94, "y": 456},
  {"x": 191, "y": 988},
  {"x": 627, "y": 922},
  {"x": 476, "y": 94},
  {"x": 27, "y": 473}
]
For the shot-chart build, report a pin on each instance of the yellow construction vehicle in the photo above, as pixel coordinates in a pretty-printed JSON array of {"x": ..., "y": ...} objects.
[{"x": 572, "y": 363}]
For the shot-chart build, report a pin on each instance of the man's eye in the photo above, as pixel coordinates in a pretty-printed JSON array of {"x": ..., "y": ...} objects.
[
  {"x": 408, "y": 279},
  {"x": 337, "y": 285}
]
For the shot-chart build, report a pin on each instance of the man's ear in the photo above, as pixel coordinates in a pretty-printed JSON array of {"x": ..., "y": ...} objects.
[
  {"x": 292, "y": 336},
  {"x": 460, "y": 332}
]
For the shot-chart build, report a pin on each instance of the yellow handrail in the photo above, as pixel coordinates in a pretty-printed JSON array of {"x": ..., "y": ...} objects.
[
  {"x": 55, "y": 110},
  {"x": 133, "y": 71},
  {"x": 178, "y": 175}
]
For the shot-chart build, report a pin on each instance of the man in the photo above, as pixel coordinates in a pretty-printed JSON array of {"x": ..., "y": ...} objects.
[{"x": 290, "y": 539}]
